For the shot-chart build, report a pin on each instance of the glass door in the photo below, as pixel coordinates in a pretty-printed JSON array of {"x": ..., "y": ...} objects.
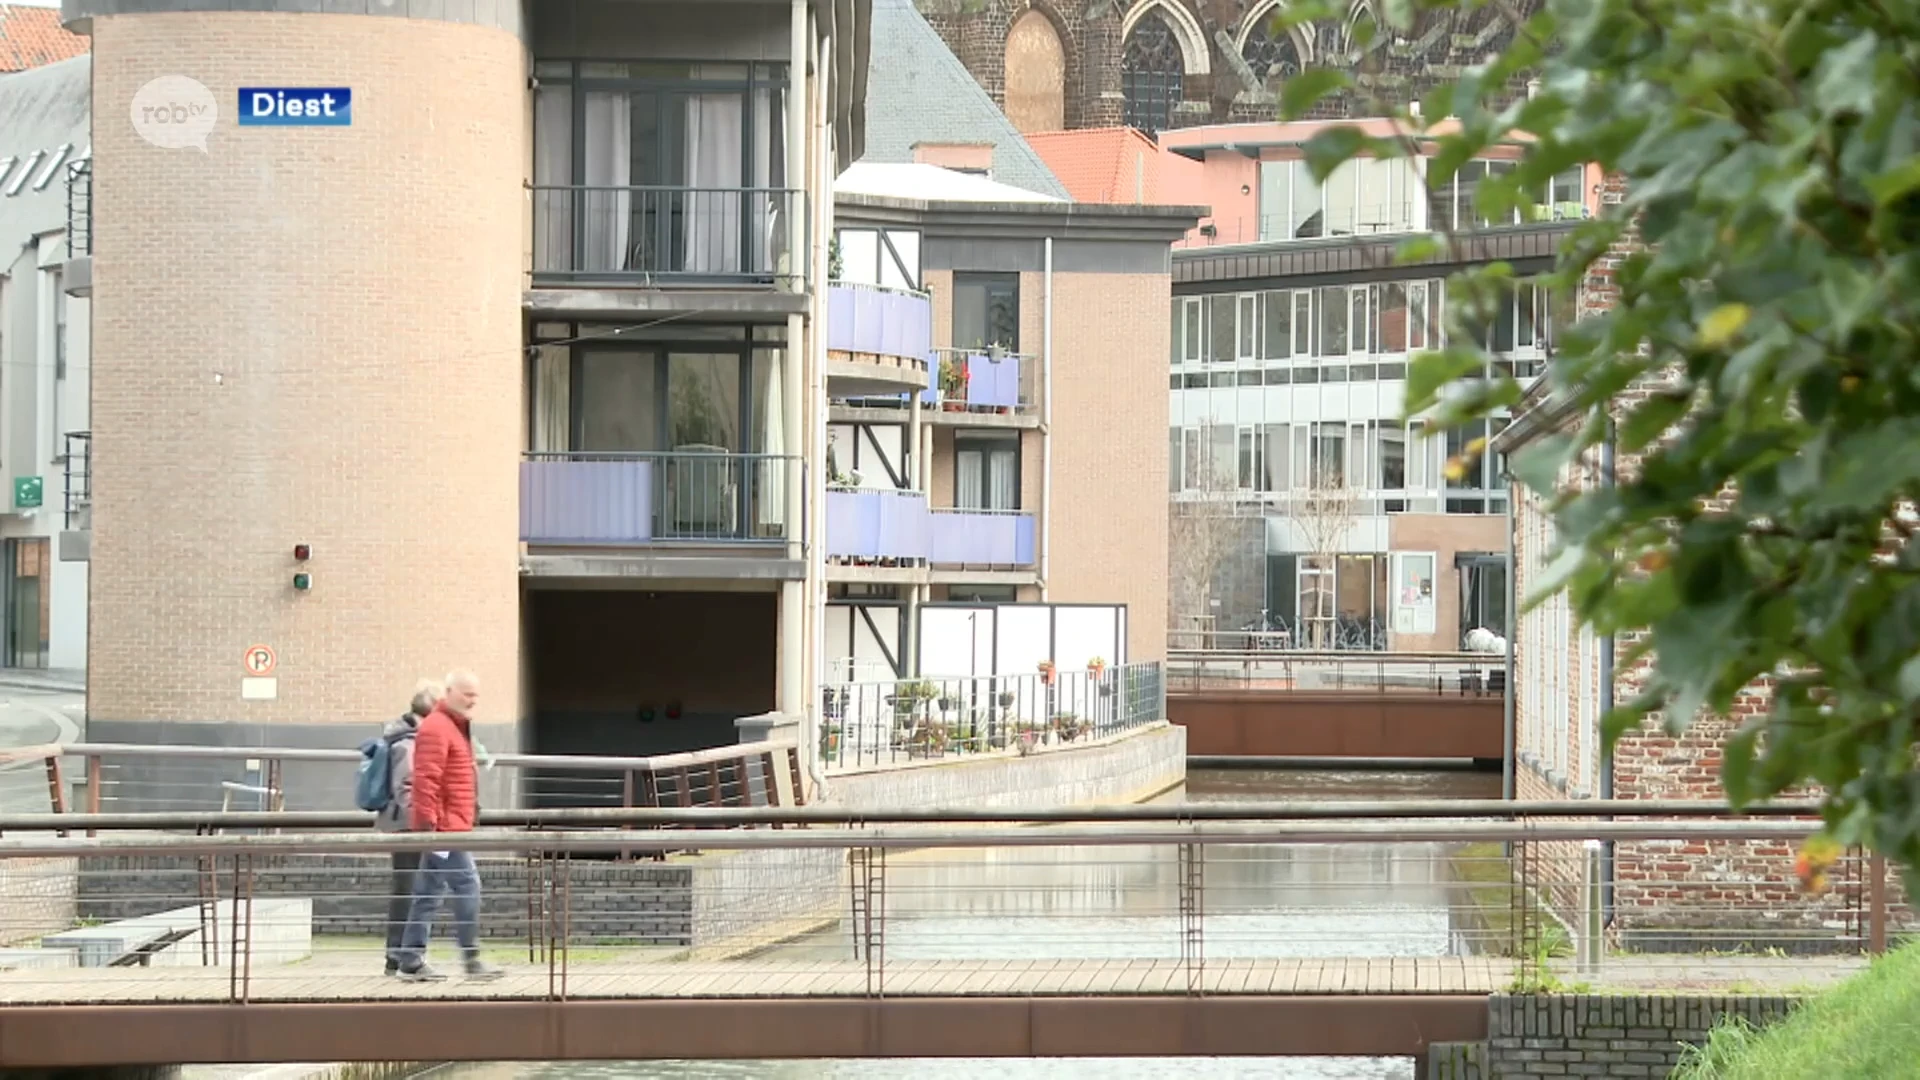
[{"x": 27, "y": 598}]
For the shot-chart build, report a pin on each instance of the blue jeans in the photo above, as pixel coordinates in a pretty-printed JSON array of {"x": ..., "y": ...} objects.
[{"x": 449, "y": 872}]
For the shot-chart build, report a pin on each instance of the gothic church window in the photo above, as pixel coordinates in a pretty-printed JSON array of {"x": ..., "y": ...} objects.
[
  {"x": 1271, "y": 52},
  {"x": 1152, "y": 74}
]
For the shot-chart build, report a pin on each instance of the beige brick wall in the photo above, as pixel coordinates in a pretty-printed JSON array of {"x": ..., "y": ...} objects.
[
  {"x": 307, "y": 335},
  {"x": 1445, "y": 535},
  {"x": 1109, "y": 511}
]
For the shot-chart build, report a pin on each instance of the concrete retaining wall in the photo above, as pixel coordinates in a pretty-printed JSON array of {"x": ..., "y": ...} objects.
[
  {"x": 1554, "y": 1036},
  {"x": 1129, "y": 767}
]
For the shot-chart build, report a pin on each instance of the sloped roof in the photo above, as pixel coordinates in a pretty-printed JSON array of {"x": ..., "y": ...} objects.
[
  {"x": 33, "y": 36},
  {"x": 918, "y": 91},
  {"x": 1117, "y": 165},
  {"x": 44, "y": 126}
]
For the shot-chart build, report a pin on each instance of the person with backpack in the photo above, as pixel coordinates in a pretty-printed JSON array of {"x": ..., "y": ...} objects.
[
  {"x": 385, "y": 787},
  {"x": 446, "y": 799}
]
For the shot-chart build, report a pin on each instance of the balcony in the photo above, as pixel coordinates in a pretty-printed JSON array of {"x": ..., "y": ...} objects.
[
  {"x": 77, "y": 277},
  {"x": 983, "y": 539},
  {"x": 879, "y": 340},
  {"x": 649, "y": 237},
  {"x": 877, "y": 524},
  {"x": 76, "y": 464},
  {"x": 580, "y": 499},
  {"x": 973, "y": 388}
]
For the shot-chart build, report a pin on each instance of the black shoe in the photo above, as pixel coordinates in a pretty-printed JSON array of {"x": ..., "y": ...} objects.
[
  {"x": 393, "y": 968},
  {"x": 421, "y": 973}
]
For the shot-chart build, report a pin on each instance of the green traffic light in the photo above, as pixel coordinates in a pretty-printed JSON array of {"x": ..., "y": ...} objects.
[{"x": 303, "y": 581}]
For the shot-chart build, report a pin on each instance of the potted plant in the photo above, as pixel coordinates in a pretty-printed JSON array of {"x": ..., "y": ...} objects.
[
  {"x": 1046, "y": 672},
  {"x": 1096, "y": 666},
  {"x": 1006, "y": 699},
  {"x": 830, "y": 742},
  {"x": 953, "y": 385}
]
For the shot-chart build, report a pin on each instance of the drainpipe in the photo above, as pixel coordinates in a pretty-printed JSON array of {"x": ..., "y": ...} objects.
[
  {"x": 1508, "y": 710},
  {"x": 796, "y": 596},
  {"x": 822, "y": 216},
  {"x": 1607, "y": 479},
  {"x": 1046, "y": 420}
]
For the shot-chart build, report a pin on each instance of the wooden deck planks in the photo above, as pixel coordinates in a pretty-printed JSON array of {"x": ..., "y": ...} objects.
[{"x": 342, "y": 979}]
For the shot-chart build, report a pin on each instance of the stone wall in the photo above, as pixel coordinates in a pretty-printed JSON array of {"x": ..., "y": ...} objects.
[
  {"x": 1553, "y": 1036},
  {"x": 36, "y": 897},
  {"x": 1400, "y": 66}
]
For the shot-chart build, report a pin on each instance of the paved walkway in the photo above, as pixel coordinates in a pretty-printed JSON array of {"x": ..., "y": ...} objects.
[{"x": 347, "y": 978}]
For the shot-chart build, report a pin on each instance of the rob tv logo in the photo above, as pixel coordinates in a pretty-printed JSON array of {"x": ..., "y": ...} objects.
[{"x": 323, "y": 106}]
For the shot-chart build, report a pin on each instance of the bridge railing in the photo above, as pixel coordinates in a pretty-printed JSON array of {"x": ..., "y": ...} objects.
[
  {"x": 1456, "y": 673},
  {"x": 882, "y": 722},
  {"x": 1425, "y": 906},
  {"x": 97, "y": 777}
]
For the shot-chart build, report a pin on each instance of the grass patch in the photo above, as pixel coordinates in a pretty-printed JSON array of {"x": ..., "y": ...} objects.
[{"x": 1868, "y": 1026}]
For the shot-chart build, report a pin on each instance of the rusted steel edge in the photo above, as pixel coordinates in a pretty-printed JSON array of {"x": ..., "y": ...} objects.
[{"x": 1083, "y": 835}]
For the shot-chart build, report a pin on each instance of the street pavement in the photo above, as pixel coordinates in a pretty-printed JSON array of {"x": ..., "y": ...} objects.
[{"x": 31, "y": 716}]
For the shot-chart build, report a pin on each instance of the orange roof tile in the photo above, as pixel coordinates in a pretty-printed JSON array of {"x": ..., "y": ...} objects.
[
  {"x": 32, "y": 36},
  {"x": 1113, "y": 165}
]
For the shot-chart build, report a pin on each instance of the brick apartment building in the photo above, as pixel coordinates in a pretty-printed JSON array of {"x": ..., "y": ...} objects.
[
  {"x": 574, "y": 395},
  {"x": 520, "y": 359},
  {"x": 1161, "y": 64}
]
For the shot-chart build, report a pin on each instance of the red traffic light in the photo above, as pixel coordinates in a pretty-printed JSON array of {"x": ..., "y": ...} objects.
[{"x": 302, "y": 552}]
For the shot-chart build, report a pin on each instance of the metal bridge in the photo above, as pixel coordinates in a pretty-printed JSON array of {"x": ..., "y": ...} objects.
[
  {"x": 1353, "y": 705},
  {"x": 771, "y": 932}
]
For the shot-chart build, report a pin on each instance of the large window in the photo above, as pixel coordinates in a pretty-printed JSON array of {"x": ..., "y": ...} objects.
[
  {"x": 1152, "y": 74},
  {"x": 1363, "y": 197},
  {"x": 659, "y": 167},
  {"x": 986, "y": 471},
  {"x": 986, "y": 311},
  {"x": 1329, "y": 601},
  {"x": 1387, "y": 319},
  {"x": 1454, "y": 205}
]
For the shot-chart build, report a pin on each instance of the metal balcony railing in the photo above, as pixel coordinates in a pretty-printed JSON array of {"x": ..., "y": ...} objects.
[
  {"x": 669, "y": 235},
  {"x": 586, "y": 498},
  {"x": 77, "y": 467},
  {"x": 80, "y": 207}
]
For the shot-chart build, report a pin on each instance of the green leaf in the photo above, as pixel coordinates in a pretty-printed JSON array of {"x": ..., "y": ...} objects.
[
  {"x": 1736, "y": 764},
  {"x": 1538, "y": 464},
  {"x": 1299, "y": 94},
  {"x": 1910, "y": 680},
  {"x": 1331, "y": 148},
  {"x": 1429, "y": 372}
]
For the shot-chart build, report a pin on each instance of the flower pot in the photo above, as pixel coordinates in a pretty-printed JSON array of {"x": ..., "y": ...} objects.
[{"x": 952, "y": 406}]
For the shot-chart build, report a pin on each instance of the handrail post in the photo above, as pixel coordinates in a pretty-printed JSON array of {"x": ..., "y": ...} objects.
[{"x": 1876, "y": 904}]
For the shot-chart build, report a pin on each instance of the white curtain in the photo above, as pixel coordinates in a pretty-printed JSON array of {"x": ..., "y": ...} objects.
[
  {"x": 773, "y": 479},
  {"x": 713, "y": 218},
  {"x": 553, "y": 169},
  {"x": 552, "y": 393},
  {"x": 967, "y": 466},
  {"x": 609, "y": 213},
  {"x": 769, "y": 214},
  {"x": 1002, "y": 482}
]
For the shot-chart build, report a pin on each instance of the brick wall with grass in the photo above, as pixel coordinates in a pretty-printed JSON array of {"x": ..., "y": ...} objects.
[{"x": 1554, "y": 1036}]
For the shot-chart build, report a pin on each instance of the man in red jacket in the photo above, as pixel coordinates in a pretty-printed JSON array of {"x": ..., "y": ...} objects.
[{"x": 445, "y": 800}]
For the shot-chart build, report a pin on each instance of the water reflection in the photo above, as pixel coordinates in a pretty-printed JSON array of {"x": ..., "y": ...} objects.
[{"x": 1059, "y": 903}]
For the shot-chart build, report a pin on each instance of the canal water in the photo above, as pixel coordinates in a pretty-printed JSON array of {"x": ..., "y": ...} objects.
[{"x": 1122, "y": 903}]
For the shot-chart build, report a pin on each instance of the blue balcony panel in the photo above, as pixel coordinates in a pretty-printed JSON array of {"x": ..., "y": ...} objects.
[
  {"x": 877, "y": 523},
  {"x": 879, "y": 341},
  {"x": 615, "y": 499},
  {"x": 981, "y": 538}
]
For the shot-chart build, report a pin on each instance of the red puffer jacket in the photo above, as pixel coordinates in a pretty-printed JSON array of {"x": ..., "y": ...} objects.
[{"x": 445, "y": 786}]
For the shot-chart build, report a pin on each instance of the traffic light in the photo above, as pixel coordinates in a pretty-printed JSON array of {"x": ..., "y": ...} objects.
[{"x": 302, "y": 581}]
